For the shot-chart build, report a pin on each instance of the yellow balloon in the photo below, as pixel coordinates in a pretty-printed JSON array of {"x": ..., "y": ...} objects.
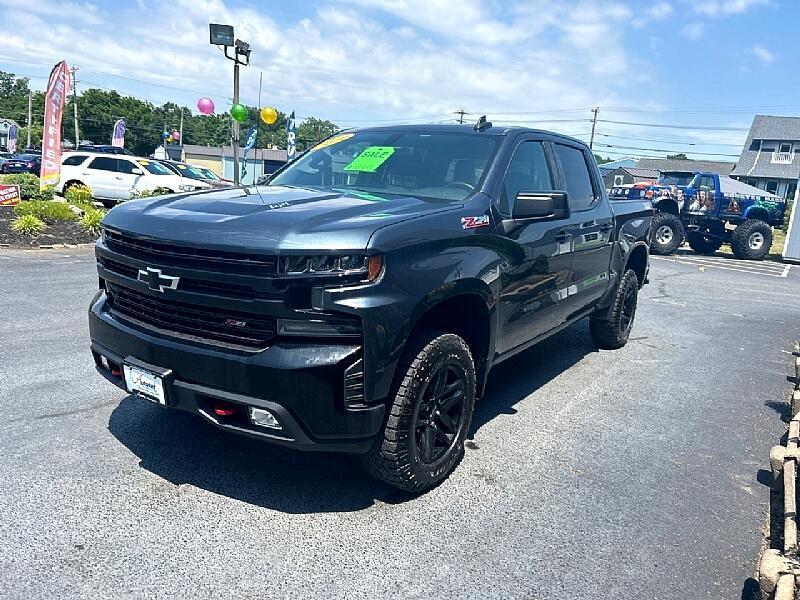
[{"x": 269, "y": 115}]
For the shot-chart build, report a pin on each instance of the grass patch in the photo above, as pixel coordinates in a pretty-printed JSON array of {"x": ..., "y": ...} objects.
[
  {"x": 46, "y": 210},
  {"x": 91, "y": 220},
  {"x": 28, "y": 225}
]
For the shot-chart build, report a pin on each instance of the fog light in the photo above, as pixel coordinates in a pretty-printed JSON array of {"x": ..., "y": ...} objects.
[{"x": 263, "y": 418}]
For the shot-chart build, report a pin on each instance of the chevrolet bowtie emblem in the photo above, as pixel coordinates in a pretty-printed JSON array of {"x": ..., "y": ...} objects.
[{"x": 157, "y": 281}]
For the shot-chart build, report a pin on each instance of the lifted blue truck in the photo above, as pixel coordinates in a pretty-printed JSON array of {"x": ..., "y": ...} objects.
[{"x": 709, "y": 212}]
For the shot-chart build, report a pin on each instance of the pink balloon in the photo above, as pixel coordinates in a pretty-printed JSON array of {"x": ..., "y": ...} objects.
[
  {"x": 205, "y": 106},
  {"x": 176, "y": 136}
]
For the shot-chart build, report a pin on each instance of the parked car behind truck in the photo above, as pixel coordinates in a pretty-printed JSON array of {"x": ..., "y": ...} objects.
[
  {"x": 358, "y": 301},
  {"x": 114, "y": 178}
]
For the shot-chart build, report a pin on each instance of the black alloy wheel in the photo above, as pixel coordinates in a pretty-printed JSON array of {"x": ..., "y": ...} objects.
[{"x": 439, "y": 415}]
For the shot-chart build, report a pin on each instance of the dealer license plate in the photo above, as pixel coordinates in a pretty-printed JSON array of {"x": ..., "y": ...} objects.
[{"x": 144, "y": 383}]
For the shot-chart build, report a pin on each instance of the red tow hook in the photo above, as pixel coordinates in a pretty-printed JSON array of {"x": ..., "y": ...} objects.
[{"x": 223, "y": 409}]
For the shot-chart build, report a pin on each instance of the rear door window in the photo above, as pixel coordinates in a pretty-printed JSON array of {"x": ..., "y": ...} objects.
[
  {"x": 73, "y": 161},
  {"x": 578, "y": 180},
  {"x": 125, "y": 166},
  {"x": 104, "y": 163}
]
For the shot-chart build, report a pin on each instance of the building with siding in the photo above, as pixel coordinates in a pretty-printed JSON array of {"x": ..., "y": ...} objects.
[
  {"x": 680, "y": 172},
  {"x": 770, "y": 158},
  {"x": 626, "y": 175},
  {"x": 260, "y": 161}
]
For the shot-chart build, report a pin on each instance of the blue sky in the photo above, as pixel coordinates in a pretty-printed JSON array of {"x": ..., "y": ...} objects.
[{"x": 701, "y": 67}]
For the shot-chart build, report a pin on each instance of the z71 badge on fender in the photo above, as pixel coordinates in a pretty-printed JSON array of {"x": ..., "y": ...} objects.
[{"x": 475, "y": 222}]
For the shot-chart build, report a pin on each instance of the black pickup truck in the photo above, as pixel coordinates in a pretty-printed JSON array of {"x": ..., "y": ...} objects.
[{"x": 357, "y": 302}]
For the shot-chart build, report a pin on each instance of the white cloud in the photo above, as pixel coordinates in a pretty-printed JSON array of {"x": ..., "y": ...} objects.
[
  {"x": 762, "y": 54},
  {"x": 352, "y": 58},
  {"x": 660, "y": 10},
  {"x": 716, "y": 8},
  {"x": 693, "y": 31}
]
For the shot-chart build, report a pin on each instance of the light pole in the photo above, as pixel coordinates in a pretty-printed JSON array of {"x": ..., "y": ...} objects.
[{"x": 222, "y": 36}]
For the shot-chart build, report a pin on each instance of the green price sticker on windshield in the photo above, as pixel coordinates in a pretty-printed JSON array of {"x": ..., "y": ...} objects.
[{"x": 370, "y": 159}]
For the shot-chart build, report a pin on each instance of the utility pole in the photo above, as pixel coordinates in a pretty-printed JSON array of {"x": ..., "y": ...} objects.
[
  {"x": 30, "y": 100},
  {"x": 594, "y": 124},
  {"x": 180, "y": 131},
  {"x": 75, "y": 105},
  {"x": 461, "y": 112}
]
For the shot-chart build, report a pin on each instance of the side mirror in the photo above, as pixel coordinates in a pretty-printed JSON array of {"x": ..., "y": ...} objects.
[
  {"x": 138, "y": 171},
  {"x": 541, "y": 205}
]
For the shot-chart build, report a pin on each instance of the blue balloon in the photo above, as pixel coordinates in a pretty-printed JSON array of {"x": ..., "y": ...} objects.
[{"x": 165, "y": 135}]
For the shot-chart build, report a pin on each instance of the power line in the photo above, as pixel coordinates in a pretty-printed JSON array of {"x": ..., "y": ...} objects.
[
  {"x": 686, "y": 127},
  {"x": 665, "y": 150},
  {"x": 663, "y": 140}
]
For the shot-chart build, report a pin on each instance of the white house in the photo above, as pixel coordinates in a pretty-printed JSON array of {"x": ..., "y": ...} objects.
[{"x": 770, "y": 158}]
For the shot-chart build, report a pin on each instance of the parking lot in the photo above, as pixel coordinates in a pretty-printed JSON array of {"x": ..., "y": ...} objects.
[{"x": 627, "y": 474}]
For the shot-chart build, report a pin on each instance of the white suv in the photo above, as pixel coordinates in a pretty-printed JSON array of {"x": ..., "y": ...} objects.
[{"x": 117, "y": 177}]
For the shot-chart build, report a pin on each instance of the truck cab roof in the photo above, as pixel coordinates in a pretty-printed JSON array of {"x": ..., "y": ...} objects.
[{"x": 492, "y": 130}]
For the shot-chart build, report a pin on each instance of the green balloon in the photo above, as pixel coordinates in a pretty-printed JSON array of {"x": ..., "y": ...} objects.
[{"x": 239, "y": 112}]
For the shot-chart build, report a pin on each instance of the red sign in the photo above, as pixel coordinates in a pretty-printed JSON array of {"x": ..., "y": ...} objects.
[
  {"x": 9, "y": 195},
  {"x": 57, "y": 90}
]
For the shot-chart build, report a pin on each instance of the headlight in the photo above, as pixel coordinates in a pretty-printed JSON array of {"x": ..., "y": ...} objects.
[
  {"x": 351, "y": 264},
  {"x": 186, "y": 188}
]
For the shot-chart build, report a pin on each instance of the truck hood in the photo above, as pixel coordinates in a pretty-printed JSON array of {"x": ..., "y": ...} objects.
[{"x": 270, "y": 218}]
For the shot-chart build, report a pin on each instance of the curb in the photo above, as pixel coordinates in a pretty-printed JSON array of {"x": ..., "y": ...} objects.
[
  {"x": 50, "y": 246},
  {"x": 778, "y": 569}
]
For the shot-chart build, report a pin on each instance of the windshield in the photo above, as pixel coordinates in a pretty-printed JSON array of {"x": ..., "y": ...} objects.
[
  {"x": 154, "y": 167},
  {"x": 443, "y": 166},
  {"x": 208, "y": 173},
  {"x": 190, "y": 172}
]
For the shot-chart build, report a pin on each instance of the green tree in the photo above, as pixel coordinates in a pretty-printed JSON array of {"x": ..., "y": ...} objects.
[
  {"x": 680, "y": 156},
  {"x": 601, "y": 160},
  {"x": 98, "y": 110},
  {"x": 14, "y": 105},
  {"x": 312, "y": 130}
]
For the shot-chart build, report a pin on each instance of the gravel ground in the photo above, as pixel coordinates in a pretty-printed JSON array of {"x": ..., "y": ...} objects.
[{"x": 627, "y": 474}]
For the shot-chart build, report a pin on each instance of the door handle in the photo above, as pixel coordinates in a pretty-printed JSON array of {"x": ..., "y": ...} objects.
[{"x": 562, "y": 237}]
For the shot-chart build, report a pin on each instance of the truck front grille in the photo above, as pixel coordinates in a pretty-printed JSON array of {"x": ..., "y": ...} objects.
[
  {"x": 196, "y": 322},
  {"x": 168, "y": 254}
]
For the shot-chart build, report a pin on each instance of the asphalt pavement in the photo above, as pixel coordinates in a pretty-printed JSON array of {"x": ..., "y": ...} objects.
[{"x": 589, "y": 474}]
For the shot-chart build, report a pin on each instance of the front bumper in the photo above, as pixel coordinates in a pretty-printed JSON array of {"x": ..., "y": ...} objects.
[{"x": 301, "y": 383}]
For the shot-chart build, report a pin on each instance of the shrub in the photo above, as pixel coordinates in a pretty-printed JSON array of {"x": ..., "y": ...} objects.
[
  {"x": 79, "y": 195},
  {"x": 46, "y": 210},
  {"x": 28, "y": 225},
  {"x": 28, "y": 186},
  {"x": 91, "y": 220},
  {"x": 159, "y": 191}
]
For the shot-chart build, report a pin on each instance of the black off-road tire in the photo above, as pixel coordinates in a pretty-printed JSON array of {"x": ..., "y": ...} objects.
[
  {"x": 703, "y": 244},
  {"x": 666, "y": 233},
  {"x": 394, "y": 457},
  {"x": 751, "y": 240},
  {"x": 611, "y": 329}
]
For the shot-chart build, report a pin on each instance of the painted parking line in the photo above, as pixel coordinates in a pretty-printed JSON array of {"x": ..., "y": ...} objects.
[
  {"x": 756, "y": 266},
  {"x": 726, "y": 264}
]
